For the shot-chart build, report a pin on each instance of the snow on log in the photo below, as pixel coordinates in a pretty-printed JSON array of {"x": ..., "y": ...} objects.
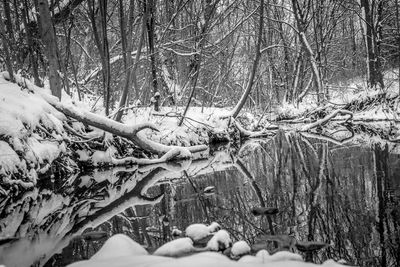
[
  {"x": 249, "y": 134},
  {"x": 127, "y": 131},
  {"x": 326, "y": 119}
]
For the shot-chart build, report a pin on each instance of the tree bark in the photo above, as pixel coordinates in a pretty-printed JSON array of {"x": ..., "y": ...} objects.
[
  {"x": 247, "y": 91},
  {"x": 10, "y": 30},
  {"x": 196, "y": 60},
  {"x": 102, "y": 46},
  {"x": 299, "y": 16},
  {"x": 150, "y": 10},
  {"x": 50, "y": 42},
  {"x": 106, "y": 53},
  {"x": 6, "y": 50},
  {"x": 126, "y": 40},
  {"x": 31, "y": 51},
  {"x": 372, "y": 42}
]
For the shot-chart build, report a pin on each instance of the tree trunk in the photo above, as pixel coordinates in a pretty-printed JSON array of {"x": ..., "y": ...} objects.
[
  {"x": 196, "y": 60},
  {"x": 106, "y": 54},
  {"x": 6, "y": 50},
  {"x": 149, "y": 9},
  {"x": 299, "y": 16},
  {"x": 398, "y": 41},
  {"x": 126, "y": 40},
  {"x": 102, "y": 46},
  {"x": 247, "y": 91},
  {"x": 50, "y": 42},
  {"x": 31, "y": 51},
  {"x": 10, "y": 30},
  {"x": 374, "y": 72}
]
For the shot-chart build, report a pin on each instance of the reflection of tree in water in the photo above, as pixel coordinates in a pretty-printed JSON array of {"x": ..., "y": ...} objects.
[
  {"x": 326, "y": 192},
  {"x": 342, "y": 195},
  {"x": 44, "y": 222}
]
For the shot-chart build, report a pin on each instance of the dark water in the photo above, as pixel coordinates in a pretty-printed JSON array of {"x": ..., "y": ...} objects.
[{"x": 344, "y": 195}]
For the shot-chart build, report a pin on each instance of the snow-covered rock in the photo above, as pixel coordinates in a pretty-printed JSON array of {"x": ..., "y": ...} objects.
[
  {"x": 176, "y": 248},
  {"x": 176, "y": 232},
  {"x": 214, "y": 227},
  {"x": 119, "y": 245},
  {"x": 199, "y": 231},
  {"x": 121, "y": 251},
  {"x": 263, "y": 255},
  {"x": 240, "y": 248},
  {"x": 220, "y": 241}
]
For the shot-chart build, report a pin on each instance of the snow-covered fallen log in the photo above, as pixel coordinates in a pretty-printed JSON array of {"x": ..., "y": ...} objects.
[
  {"x": 130, "y": 132},
  {"x": 326, "y": 119}
]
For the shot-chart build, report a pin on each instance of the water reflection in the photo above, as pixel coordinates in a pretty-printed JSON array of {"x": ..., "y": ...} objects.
[{"x": 344, "y": 195}]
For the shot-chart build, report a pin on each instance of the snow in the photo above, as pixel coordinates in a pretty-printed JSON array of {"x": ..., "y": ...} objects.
[
  {"x": 285, "y": 256},
  {"x": 345, "y": 92},
  {"x": 9, "y": 160},
  {"x": 199, "y": 231},
  {"x": 22, "y": 115},
  {"x": 119, "y": 245},
  {"x": 240, "y": 248},
  {"x": 175, "y": 231},
  {"x": 193, "y": 130},
  {"x": 175, "y": 248},
  {"x": 220, "y": 241},
  {"x": 123, "y": 252},
  {"x": 22, "y": 107},
  {"x": 213, "y": 227}
]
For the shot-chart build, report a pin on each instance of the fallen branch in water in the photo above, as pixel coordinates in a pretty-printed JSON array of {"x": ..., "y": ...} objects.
[
  {"x": 326, "y": 119},
  {"x": 249, "y": 134}
]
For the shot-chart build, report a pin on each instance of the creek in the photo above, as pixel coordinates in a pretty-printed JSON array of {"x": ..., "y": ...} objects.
[{"x": 345, "y": 195}]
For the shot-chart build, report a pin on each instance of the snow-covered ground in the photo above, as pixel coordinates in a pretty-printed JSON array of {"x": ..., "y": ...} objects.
[
  {"x": 193, "y": 130},
  {"x": 31, "y": 134},
  {"x": 348, "y": 91},
  {"x": 120, "y": 250}
]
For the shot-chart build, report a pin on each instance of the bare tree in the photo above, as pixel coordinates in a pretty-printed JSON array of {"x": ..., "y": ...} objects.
[
  {"x": 250, "y": 82},
  {"x": 6, "y": 50},
  {"x": 300, "y": 13},
  {"x": 149, "y": 9},
  {"x": 50, "y": 42},
  {"x": 372, "y": 21}
]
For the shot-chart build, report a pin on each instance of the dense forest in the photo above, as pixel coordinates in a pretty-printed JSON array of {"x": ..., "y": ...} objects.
[
  {"x": 199, "y": 53},
  {"x": 187, "y": 125}
]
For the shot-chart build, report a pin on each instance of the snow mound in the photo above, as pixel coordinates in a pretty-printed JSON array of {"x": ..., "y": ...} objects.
[
  {"x": 220, "y": 241},
  {"x": 121, "y": 251},
  {"x": 176, "y": 248},
  {"x": 22, "y": 111},
  {"x": 119, "y": 245},
  {"x": 9, "y": 160},
  {"x": 31, "y": 132},
  {"x": 240, "y": 248},
  {"x": 198, "y": 231}
]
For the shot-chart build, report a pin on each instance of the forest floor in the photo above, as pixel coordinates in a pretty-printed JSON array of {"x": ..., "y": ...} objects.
[{"x": 38, "y": 140}]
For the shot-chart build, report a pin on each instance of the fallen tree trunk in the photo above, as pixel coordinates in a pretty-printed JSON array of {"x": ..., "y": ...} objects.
[
  {"x": 120, "y": 129},
  {"x": 326, "y": 119},
  {"x": 258, "y": 134},
  {"x": 131, "y": 133}
]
